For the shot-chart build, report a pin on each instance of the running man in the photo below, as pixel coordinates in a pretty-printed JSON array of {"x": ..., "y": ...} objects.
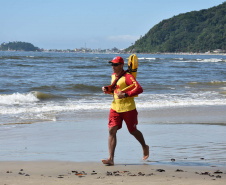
[{"x": 123, "y": 108}]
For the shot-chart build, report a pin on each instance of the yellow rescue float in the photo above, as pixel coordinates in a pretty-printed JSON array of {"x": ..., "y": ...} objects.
[{"x": 133, "y": 65}]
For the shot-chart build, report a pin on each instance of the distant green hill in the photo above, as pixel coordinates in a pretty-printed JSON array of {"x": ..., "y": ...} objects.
[
  {"x": 196, "y": 31},
  {"x": 18, "y": 46}
]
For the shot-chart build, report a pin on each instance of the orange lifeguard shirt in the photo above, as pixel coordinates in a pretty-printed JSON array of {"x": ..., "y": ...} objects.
[{"x": 128, "y": 103}]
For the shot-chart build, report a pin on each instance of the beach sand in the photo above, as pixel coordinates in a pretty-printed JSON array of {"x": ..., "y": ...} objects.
[
  {"x": 58, "y": 172},
  {"x": 36, "y": 153}
]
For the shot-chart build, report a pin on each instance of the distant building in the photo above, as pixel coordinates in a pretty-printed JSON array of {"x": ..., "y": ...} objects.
[
  {"x": 219, "y": 51},
  {"x": 115, "y": 50}
]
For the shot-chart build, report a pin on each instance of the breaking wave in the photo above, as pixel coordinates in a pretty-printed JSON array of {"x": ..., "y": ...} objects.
[
  {"x": 211, "y": 83},
  {"x": 17, "y": 98},
  {"x": 24, "y": 98}
]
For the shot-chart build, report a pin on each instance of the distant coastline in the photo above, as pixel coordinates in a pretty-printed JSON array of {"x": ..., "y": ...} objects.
[
  {"x": 24, "y": 46},
  {"x": 118, "y": 53}
]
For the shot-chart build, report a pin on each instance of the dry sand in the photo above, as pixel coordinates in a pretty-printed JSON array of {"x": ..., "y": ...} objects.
[{"x": 68, "y": 173}]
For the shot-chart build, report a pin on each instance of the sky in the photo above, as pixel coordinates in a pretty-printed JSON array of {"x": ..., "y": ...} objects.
[{"x": 104, "y": 24}]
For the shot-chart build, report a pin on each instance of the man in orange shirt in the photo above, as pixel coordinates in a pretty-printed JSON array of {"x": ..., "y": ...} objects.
[{"x": 123, "y": 108}]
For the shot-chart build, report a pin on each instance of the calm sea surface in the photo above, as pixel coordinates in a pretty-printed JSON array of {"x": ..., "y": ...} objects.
[{"x": 51, "y": 90}]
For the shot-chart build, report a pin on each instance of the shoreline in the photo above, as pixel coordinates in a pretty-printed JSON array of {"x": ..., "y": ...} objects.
[
  {"x": 74, "y": 138},
  {"x": 59, "y": 172},
  {"x": 157, "y": 53}
]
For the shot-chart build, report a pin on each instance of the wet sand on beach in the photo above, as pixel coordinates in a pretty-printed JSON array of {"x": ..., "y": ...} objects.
[{"x": 55, "y": 172}]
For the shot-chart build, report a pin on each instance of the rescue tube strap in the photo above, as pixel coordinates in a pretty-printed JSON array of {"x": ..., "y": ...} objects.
[
  {"x": 116, "y": 80},
  {"x": 134, "y": 70}
]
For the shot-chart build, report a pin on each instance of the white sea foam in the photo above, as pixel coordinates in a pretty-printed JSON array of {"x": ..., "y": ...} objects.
[
  {"x": 179, "y": 103},
  {"x": 223, "y": 88},
  {"x": 27, "y": 105},
  {"x": 17, "y": 98},
  {"x": 54, "y": 107},
  {"x": 217, "y": 82},
  {"x": 211, "y": 83},
  {"x": 151, "y": 58},
  {"x": 178, "y": 100},
  {"x": 210, "y": 60},
  {"x": 143, "y": 58},
  {"x": 179, "y": 58}
]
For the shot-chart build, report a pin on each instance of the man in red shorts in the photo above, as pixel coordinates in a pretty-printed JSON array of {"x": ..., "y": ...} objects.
[{"x": 123, "y": 108}]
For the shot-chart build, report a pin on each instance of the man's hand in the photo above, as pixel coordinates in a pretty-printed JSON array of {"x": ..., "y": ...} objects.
[
  {"x": 120, "y": 95},
  {"x": 104, "y": 89}
]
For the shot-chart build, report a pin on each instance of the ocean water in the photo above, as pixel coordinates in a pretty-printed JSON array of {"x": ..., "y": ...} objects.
[{"x": 56, "y": 93}]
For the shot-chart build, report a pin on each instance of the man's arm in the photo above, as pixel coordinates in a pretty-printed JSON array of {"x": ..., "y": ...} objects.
[{"x": 133, "y": 88}]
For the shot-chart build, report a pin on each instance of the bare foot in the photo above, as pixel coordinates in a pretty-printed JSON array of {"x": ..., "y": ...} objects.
[
  {"x": 146, "y": 152},
  {"x": 108, "y": 162}
]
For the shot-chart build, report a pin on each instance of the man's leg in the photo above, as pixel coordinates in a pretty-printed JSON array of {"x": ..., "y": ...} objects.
[
  {"x": 112, "y": 141},
  {"x": 131, "y": 121},
  {"x": 139, "y": 136}
]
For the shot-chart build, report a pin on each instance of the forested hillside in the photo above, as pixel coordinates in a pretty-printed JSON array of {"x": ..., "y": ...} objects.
[
  {"x": 196, "y": 31},
  {"x": 18, "y": 46}
]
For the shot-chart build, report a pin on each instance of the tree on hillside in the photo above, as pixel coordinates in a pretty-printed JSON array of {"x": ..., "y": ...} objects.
[
  {"x": 196, "y": 31},
  {"x": 18, "y": 46}
]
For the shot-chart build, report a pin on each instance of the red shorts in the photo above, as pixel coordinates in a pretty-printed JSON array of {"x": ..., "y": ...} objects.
[{"x": 130, "y": 117}]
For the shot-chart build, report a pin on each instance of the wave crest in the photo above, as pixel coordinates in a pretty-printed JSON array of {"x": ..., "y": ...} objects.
[
  {"x": 41, "y": 95},
  {"x": 208, "y": 83},
  {"x": 18, "y": 98}
]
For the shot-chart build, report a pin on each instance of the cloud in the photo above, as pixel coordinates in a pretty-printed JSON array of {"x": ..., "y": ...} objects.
[{"x": 123, "y": 38}]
